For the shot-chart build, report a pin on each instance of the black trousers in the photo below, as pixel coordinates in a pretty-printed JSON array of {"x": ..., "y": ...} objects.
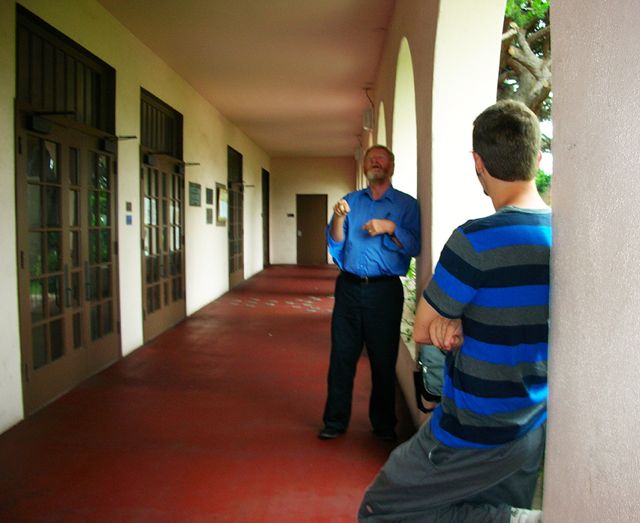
[{"x": 365, "y": 313}]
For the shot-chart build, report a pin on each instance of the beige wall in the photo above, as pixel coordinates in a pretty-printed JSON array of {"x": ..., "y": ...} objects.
[
  {"x": 290, "y": 176},
  {"x": 10, "y": 383},
  {"x": 206, "y": 136},
  {"x": 592, "y": 469}
]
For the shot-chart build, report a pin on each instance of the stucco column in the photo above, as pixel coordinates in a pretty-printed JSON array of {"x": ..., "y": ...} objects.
[
  {"x": 592, "y": 470},
  {"x": 10, "y": 378}
]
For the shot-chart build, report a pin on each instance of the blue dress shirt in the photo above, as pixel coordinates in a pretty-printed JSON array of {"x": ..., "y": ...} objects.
[{"x": 372, "y": 256}]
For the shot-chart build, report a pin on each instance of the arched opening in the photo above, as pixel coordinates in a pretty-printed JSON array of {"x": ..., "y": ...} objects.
[
  {"x": 405, "y": 144},
  {"x": 381, "y": 131}
]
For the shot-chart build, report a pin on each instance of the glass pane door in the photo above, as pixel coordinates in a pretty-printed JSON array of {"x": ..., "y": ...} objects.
[
  {"x": 65, "y": 190},
  {"x": 44, "y": 193},
  {"x": 163, "y": 252},
  {"x": 99, "y": 266}
]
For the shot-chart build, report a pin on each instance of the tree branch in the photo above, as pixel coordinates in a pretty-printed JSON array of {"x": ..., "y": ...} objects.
[
  {"x": 525, "y": 60},
  {"x": 516, "y": 65},
  {"x": 528, "y": 61},
  {"x": 533, "y": 38},
  {"x": 507, "y": 35},
  {"x": 524, "y": 45}
]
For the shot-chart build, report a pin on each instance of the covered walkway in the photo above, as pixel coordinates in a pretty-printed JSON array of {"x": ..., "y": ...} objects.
[{"x": 214, "y": 420}]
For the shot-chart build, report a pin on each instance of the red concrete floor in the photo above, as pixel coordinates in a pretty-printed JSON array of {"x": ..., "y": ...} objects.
[{"x": 213, "y": 421}]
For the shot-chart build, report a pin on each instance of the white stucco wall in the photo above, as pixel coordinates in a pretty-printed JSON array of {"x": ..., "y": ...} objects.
[
  {"x": 10, "y": 383},
  {"x": 381, "y": 125},
  {"x": 405, "y": 139},
  {"x": 334, "y": 177},
  {"x": 465, "y": 76},
  {"x": 592, "y": 469},
  {"x": 206, "y": 136}
]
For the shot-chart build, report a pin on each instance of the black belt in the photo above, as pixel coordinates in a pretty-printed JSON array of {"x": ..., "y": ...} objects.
[{"x": 366, "y": 279}]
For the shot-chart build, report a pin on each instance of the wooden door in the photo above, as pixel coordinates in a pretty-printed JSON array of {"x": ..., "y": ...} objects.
[
  {"x": 162, "y": 245},
  {"x": 162, "y": 221},
  {"x": 66, "y": 195},
  {"x": 265, "y": 218},
  {"x": 236, "y": 222},
  {"x": 67, "y": 244},
  {"x": 311, "y": 212}
]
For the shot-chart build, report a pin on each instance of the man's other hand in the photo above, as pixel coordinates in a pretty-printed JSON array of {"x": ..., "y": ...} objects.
[{"x": 375, "y": 227}]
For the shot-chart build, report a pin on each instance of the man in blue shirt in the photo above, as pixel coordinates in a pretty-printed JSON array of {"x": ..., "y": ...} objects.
[
  {"x": 372, "y": 237},
  {"x": 487, "y": 304}
]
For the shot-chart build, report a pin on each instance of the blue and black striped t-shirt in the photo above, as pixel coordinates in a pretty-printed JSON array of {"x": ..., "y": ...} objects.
[{"x": 493, "y": 274}]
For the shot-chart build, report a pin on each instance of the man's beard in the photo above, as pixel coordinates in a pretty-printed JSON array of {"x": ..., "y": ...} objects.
[{"x": 372, "y": 176}]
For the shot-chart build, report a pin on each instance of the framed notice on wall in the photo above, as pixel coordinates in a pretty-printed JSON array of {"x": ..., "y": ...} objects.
[
  {"x": 222, "y": 204},
  {"x": 195, "y": 194}
]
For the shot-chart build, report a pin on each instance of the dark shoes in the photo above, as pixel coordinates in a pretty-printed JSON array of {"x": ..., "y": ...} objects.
[
  {"x": 330, "y": 433},
  {"x": 385, "y": 435}
]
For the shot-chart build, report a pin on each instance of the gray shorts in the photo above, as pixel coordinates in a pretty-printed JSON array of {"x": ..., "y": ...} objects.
[{"x": 426, "y": 481}]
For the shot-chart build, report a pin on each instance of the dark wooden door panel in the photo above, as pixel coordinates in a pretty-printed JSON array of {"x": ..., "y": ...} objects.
[
  {"x": 236, "y": 220},
  {"x": 311, "y": 212}
]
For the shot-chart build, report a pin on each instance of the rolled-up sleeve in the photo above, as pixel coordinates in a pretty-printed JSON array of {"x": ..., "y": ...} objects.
[{"x": 336, "y": 249}]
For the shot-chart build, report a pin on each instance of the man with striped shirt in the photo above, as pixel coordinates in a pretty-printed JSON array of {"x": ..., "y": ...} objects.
[{"x": 487, "y": 304}]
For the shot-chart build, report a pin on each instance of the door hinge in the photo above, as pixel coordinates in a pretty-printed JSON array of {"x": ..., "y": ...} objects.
[
  {"x": 19, "y": 144},
  {"x": 115, "y": 248},
  {"x": 26, "y": 373},
  {"x": 21, "y": 259}
]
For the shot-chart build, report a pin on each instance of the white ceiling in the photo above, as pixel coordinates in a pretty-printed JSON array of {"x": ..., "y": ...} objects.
[{"x": 290, "y": 73}]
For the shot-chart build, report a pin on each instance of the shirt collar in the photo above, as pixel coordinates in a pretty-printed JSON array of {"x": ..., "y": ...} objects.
[{"x": 388, "y": 195}]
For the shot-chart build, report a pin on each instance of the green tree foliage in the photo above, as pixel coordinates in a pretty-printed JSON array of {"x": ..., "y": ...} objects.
[
  {"x": 525, "y": 59},
  {"x": 543, "y": 181},
  {"x": 409, "y": 312}
]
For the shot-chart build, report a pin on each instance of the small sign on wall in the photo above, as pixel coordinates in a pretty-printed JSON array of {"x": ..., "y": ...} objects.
[{"x": 195, "y": 194}]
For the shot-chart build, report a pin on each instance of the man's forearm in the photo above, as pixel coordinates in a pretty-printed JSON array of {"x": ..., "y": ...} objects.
[
  {"x": 433, "y": 329},
  {"x": 337, "y": 228},
  {"x": 425, "y": 314}
]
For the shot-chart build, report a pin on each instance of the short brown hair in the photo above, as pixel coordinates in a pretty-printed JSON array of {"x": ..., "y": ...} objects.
[{"x": 506, "y": 136}]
